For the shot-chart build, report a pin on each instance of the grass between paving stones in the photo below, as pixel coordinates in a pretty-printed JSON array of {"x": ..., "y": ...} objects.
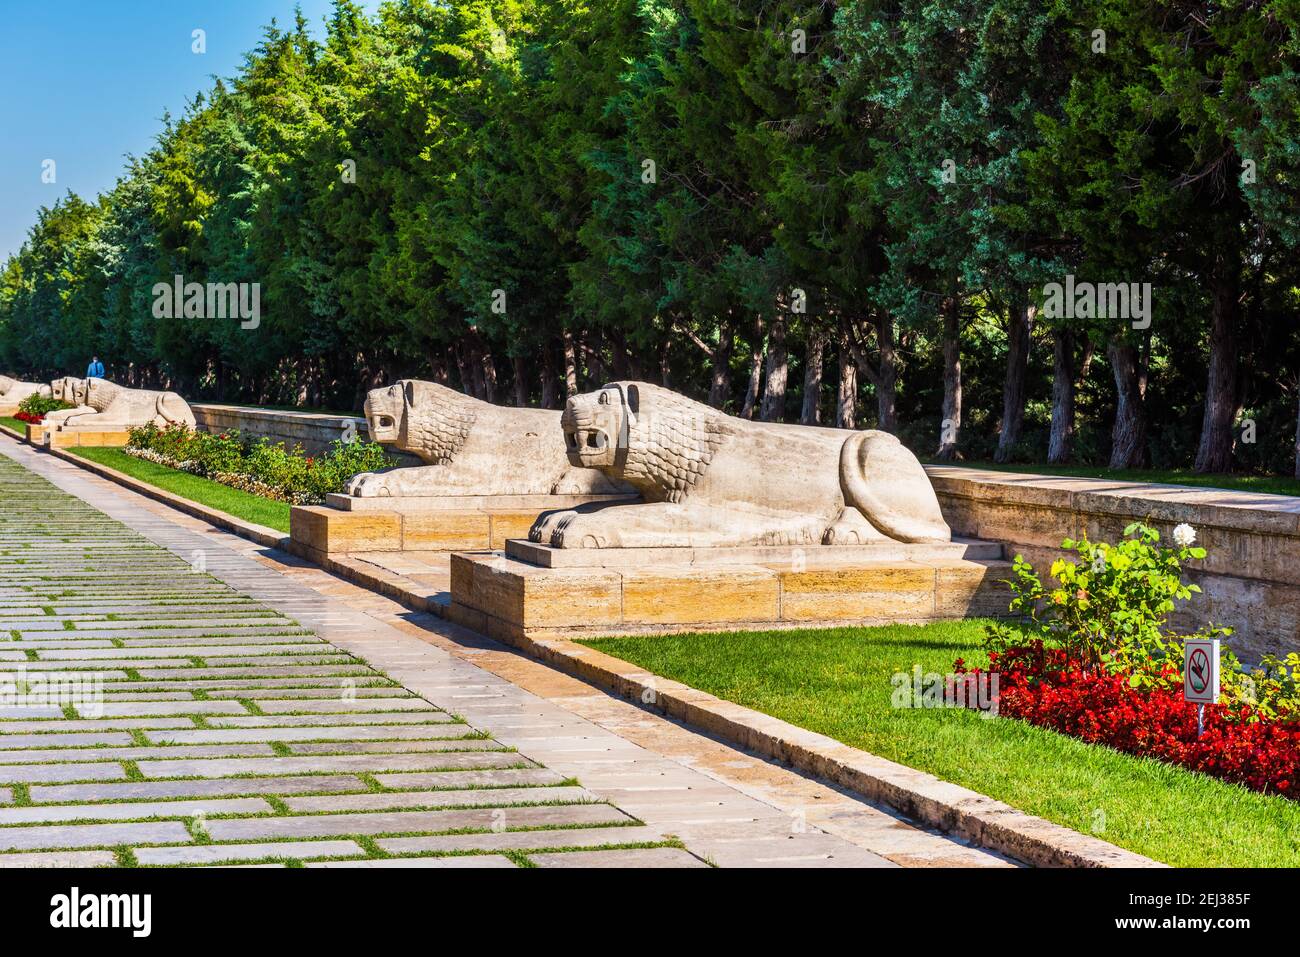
[
  {"x": 1267, "y": 484},
  {"x": 838, "y": 682},
  {"x": 249, "y": 507}
]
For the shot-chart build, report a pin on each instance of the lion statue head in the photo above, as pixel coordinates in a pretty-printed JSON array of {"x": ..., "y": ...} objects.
[
  {"x": 653, "y": 439},
  {"x": 424, "y": 418},
  {"x": 69, "y": 389}
]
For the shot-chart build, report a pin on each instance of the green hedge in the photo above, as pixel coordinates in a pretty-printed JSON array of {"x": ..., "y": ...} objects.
[{"x": 258, "y": 465}]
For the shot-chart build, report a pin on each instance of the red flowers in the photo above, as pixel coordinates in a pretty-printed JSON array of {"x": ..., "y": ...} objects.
[
  {"x": 1038, "y": 685},
  {"x": 22, "y": 416}
]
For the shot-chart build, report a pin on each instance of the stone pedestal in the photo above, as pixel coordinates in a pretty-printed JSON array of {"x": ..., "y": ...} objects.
[
  {"x": 66, "y": 438},
  {"x": 444, "y": 523},
  {"x": 535, "y": 591},
  {"x": 35, "y": 434}
]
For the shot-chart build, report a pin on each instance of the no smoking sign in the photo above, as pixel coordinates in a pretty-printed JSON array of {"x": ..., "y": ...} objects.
[{"x": 1201, "y": 671}]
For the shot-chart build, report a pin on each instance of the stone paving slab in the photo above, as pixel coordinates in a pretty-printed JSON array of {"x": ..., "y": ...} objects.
[
  {"x": 221, "y": 853},
  {"x": 654, "y": 857},
  {"x": 442, "y": 863},
  {"x": 356, "y": 733},
  {"x": 59, "y": 859},
  {"x": 520, "y": 840},
  {"x": 110, "y": 812},
  {"x": 413, "y": 822},
  {"x": 92, "y": 835},
  {"x": 205, "y": 787},
  {"x": 223, "y": 767},
  {"x": 410, "y": 799}
]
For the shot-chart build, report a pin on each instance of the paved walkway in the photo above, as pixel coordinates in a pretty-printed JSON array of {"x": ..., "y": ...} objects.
[{"x": 256, "y": 710}]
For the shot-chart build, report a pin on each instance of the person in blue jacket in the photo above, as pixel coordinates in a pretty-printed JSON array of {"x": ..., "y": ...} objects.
[{"x": 96, "y": 368}]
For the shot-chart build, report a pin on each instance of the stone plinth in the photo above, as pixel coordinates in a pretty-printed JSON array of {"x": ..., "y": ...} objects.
[
  {"x": 349, "y": 524},
  {"x": 582, "y": 592},
  {"x": 66, "y": 438},
  {"x": 35, "y": 434}
]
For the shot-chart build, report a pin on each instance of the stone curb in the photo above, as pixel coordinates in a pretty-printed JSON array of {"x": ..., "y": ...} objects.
[{"x": 917, "y": 794}]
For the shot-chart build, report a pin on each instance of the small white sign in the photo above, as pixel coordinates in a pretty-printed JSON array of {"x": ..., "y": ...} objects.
[{"x": 1201, "y": 670}]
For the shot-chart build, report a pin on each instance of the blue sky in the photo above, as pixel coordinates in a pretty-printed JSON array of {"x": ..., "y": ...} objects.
[{"x": 85, "y": 82}]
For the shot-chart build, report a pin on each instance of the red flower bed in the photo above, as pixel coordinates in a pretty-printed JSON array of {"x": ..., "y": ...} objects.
[
  {"x": 1239, "y": 745},
  {"x": 22, "y": 416}
]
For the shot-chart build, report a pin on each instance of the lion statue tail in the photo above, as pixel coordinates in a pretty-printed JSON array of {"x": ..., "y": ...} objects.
[{"x": 885, "y": 482}]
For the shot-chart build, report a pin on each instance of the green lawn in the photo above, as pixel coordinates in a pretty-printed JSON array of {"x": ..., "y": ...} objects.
[
  {"x": 249, "y": 507},
  {"x": 838, "y": 682},
  {"x": 1271, "y": 484},
  {"x": 12, "y": 423}
]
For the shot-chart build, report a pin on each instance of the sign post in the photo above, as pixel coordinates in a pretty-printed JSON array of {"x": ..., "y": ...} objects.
[{"x": 1201, "y": 676}]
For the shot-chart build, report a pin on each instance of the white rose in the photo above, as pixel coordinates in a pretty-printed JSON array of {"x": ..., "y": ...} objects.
[{"x": 1184, "y": 535}]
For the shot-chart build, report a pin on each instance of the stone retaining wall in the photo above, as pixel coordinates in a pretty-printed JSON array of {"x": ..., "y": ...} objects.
[
  {"x": 314, "y": 431},
  {"x": 1250, "y": 578}
]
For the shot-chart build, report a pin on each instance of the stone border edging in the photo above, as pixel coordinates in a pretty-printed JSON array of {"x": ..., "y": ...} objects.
[{"x": 918, "y": 794}]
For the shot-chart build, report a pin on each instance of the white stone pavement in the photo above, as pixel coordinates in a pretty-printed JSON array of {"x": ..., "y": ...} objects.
[{"x": 726, "y": 806}]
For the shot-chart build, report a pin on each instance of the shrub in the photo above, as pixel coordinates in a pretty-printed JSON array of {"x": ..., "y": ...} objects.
[
  {"x": 1092, "y": 657},
  {"x": 258, "y": 465},
  {"x": 35, "y": 407}
]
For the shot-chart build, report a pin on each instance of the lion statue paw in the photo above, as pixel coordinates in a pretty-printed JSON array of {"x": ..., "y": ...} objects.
[{"x": 371, "y": 485}]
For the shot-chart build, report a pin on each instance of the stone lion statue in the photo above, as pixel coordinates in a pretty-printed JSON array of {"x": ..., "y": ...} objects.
[
  {"x": 13, "y": 391},
  {"x": 107, "y": 406},
  {"x": 708, "y": 479},
  {"x": 472, "y": 447}
]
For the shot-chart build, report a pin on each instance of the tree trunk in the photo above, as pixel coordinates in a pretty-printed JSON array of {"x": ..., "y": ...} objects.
[
  {"x": 1129, "y": 435},
  {"x": 1215, "y": 451},
  {"x": 548, "y": 376},
  {"x": 812, "y": 380},
  {"x": 773, "y": 409},
  {"x": 570, "y": 366},
  {"x": 1297, "y": 440},
  {"x": 720, "y": 368},
  {"x": 521, "y": 381},
  {"x": 887, "y": 384},
  {"x": 1020, "y": 324},
  {"x": 755, "y": 372},
  {"x": 1060, "y": 445},
  {"x": 846, "y": 402},
  {"x": 489, "y": 376},
  {"x": 950, "y": 424}
]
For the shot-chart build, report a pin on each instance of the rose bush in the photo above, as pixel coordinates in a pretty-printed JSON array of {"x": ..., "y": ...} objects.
[{"x": 258, "y": 465}]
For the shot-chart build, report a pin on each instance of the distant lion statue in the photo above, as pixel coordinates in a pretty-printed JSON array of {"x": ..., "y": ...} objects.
[
  {"x": 102, "y": 405},
  {"x": 472, "y": 447},
  {"x": 13, "y": 391},
  {"x": 709, "y": 479}
]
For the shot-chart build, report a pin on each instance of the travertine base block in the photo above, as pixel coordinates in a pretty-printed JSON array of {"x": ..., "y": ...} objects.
[
  {"x": 66, "y": 438},
  {"x": 509, "y": 598},
  {"x": 35, "y": 434},
  {"x": 441, "y": 524}
]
